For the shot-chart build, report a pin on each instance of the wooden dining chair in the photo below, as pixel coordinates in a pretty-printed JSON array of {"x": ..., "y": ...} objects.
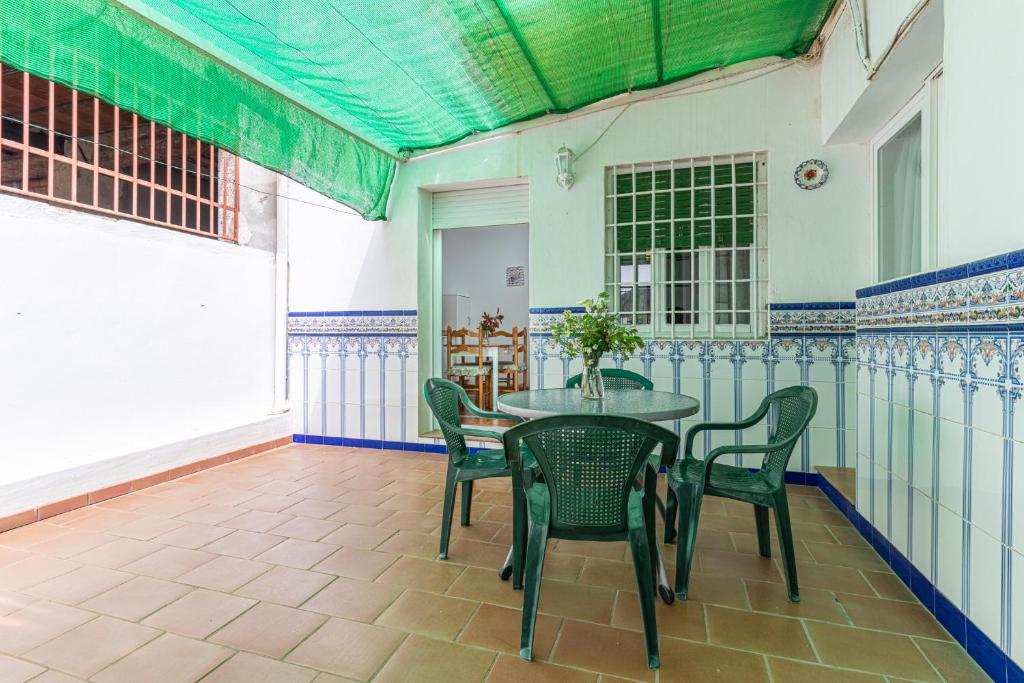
[
  {"x": 615, "y": 378},
  {"x": 513, "y": 374},
  {"x": 466, "y": 363}
]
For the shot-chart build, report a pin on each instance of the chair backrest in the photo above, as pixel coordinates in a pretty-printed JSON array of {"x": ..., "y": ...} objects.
[
  {"x": 464, "y": 342},
  {"x": 616, "y": 379},
  {"x": 443, "y": 398},
  {"x": 589, "y": 464},
  {"x": 793, "y": 408}
]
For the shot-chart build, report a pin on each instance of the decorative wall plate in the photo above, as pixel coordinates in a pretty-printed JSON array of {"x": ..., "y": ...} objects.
[{"x": 811, "y": 174}]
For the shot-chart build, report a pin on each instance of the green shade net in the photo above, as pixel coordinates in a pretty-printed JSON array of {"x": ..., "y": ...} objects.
[
  {"x": 401, "y": 75},
  {"x": 107, "y": 51}
]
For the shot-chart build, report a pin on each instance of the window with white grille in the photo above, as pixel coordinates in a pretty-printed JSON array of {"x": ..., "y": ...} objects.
[{"x": 685, "y": 246}]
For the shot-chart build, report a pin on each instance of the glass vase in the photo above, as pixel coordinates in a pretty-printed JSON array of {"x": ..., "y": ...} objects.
[{"x": 592, "y": 384}]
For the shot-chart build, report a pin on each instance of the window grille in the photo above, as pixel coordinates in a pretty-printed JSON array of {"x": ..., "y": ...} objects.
[
  {"x": 67, "y": 147},
  {"x": 685, "y": 246}
]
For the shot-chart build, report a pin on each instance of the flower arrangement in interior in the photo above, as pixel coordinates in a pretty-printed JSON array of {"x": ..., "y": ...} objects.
[
  {"x": 592, "y": 334},
  {"x": 489, "y": 324}
]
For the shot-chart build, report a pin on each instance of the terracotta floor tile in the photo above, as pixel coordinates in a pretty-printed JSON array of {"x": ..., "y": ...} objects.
[
  {"x": 603, "y": 649},
  {"x": 269, "y": 502},
  {"x": 431, "y": 661},
  {"x": 512, "y": 669},
  {"x": 738, "y": 565},
  {"x": 78, "y": 585},
  {"x": 799, "y": 672},
  {"x": 353, "y": 563},
  {"x": 412, "y": 543},
  {"x": 12, "y": 602},
  {"x": 250, "y": 631},
  {"x": 847, "y": 535},
  {"x": 307, "y": 529},
  {"x": 247, "y": 668},
  {"x": 834, "y": 578},
  {"x": 285, "y": 586},
  {"x": 482, "y": 585},
  {"x": 243, "y": 544},
  {"x": 192, "y": 536},
  {"x": 66, "y": 545},
  {"x": 561, "y": 567},
  {"x": 137, "y": 598},
  {"x": 358, "y": 536},
  {"x": 52, "y": 676},
  {"x": 17, "y": 670},
  {"x": 348, "y": 648},
  {"x": 117, "y": 553},
  {"x": 211, "y": 514},
  {"x": 296, "y": 553},
  {"x": 168, "y": 659},
  {"x": 430, "y": 614},
  {"x": 716, "y": 590},
  {"x": 873, "y": 651},
  {"x": 224, "y": 573},
  {"x": 765, "y": 633},
  {"x": 606, "y": 551},
  {"x": 370, "y": 498},
  {"x": 199, "y": 613},
  {"x": 168, "y": 563},
  {"x": 608, "y": 573},
  {"x": 891, "y": 615},
  {"x": 746, "y": 544},
  {"x": 478, "y": 553},
  {"x": 27, "y": 628},
  {"x": 352, "y": 599},
  {"x": 33, "y": 534},
  {"x": 33, "y": 570},
  {"x": 768, "y": 596},
  {"x": 955, "y": 665},
  {"x": 847, "y": 556},
  {"x": 498, "y": 628},
  {"x": 146, "y": 528},
  {"x": 92, "y": 646},
  {"x": 317, "y": 509},
  {"x": 320, "y": 492},
  {"x": 256, "y": 520},
  {"x": 686, "y": 662},
  {"x": 682, "y": 619},
  {"x": 575, "y": 600},
  {"x": 428, "y": 575},
  {"x": 889, "y": 586}
]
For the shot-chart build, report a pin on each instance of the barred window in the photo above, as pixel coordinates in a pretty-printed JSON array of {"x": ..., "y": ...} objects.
[
  {"x": 685, "y": 246},
  {"x": 65, "y": 146}
]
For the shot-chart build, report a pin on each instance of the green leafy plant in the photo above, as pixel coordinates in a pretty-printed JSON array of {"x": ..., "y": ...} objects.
[{"x": 595, "y": 332}]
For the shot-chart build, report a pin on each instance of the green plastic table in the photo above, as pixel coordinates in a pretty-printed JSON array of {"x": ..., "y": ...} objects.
[{"x": 652, "y": 406}]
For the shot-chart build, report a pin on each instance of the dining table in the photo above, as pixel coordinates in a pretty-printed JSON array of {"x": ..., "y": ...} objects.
[{"x": 651, "y": 406}]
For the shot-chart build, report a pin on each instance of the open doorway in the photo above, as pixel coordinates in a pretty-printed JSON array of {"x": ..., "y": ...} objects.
[{"x": 485, "y": 309}]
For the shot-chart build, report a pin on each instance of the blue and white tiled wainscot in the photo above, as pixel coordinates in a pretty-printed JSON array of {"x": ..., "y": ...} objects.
[
  {"x": 352, "y": 378},
  {"x": 940, "y": 449},
  {"x": 809, "y": 343}
]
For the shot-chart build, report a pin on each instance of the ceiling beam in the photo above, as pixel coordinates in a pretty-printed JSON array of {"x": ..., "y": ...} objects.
[{"x": 514, "y": 29}]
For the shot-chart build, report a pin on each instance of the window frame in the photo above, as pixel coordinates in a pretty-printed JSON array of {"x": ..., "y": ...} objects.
[
  {"x": 703, "y": 314},
  {"x": 107, "y": 166},
  {"x": 924, "y": 103}
]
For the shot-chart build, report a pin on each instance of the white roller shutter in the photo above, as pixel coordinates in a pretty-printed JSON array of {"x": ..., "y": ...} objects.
[{"x": 498, "y": 205}]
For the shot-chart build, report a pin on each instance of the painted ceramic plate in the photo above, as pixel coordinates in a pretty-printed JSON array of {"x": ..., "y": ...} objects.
[{"x": 811, "y": 174}]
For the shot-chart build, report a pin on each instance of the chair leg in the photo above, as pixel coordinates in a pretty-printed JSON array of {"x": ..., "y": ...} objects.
[
  {"x": 640, "y": 546},
  {"x": 537, "y": 544},
  {"x": 786, "y": 543},
  {"x": 520, "y": 533},
  {"x": 764, "y": 537},
  {"x": 671, "y": 510},
  {"x": 447, "y": 510},
  {"x": 467, "y": 501},
  {"x": 689, "y": 516}
]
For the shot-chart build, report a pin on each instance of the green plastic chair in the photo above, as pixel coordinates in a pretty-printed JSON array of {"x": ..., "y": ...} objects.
[
  {"x": 690, "y": 479},
  {"x": 585, "y": 486},
  {"x": 464, "y": 467},
  {"x": 615, "y": 379}
]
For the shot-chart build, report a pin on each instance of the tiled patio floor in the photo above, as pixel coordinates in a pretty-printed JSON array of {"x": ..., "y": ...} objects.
[{"x": 317, "y": 564}]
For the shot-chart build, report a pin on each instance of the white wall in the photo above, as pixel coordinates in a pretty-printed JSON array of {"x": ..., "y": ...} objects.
[
  {"x": 118, "y": 337},
  {"x": 473, "y": 263},
  {"x": 981, "y": 144}
]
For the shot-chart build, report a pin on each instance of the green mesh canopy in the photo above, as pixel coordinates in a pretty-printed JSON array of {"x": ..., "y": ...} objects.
[{"x": 325, "y": 91}]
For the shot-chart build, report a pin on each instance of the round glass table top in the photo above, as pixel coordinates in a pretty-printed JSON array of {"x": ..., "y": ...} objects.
[{"x": 653, "y": 406}]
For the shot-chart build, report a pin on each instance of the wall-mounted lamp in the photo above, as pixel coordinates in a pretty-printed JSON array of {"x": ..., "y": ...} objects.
[{"x": 563, "y": 164}]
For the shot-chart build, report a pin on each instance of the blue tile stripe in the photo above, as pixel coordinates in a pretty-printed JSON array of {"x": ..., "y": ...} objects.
[
  {"x": 986, "y": 653},
  {"x": 1013, "y": 259}
]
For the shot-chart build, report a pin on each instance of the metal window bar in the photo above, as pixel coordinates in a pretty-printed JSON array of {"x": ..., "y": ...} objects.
[
  {"x": 31, "y": 124},
  {"x": 714, "y": 286}
]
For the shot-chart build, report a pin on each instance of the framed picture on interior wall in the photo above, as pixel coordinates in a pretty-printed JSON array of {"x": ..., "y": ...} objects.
[{"x": 515, "y": 276}]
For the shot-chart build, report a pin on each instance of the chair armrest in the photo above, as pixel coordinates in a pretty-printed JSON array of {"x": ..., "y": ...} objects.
[
  {"x": 692, "y": 432},
  {"x": 479, "y": 412},
  {"x": 479, "y": 433},
  {"x": 745, "y": 448}
]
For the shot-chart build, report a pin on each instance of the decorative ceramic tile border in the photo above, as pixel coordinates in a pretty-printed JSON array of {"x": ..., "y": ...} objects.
[
  {"x": 384, "y": 322},
  {"x": 824, "y": 317},
  {"x": 541, "y": 319},
  {"x": 985, "y": 292}
]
